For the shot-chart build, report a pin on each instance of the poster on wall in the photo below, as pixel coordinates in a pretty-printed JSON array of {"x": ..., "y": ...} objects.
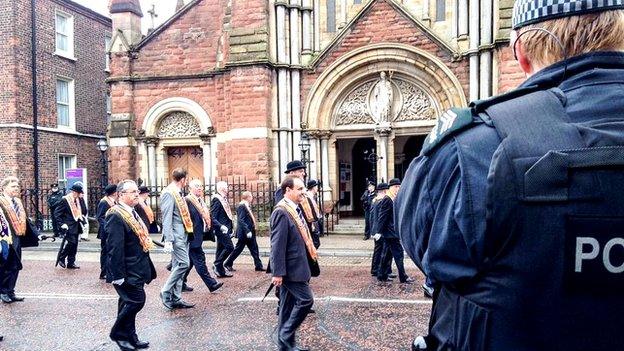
[{"x": 76, "y": 175}]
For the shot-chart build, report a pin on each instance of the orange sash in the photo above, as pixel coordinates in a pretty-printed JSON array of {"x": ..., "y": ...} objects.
[
  {"x": 183, "y": 207},
  {"x": 110, "y": 202},
  {"x": 75, "y": 209},
  {"x": 303, "y": 228},
  {"x": 205, "y": 213},
  {"x": 18, "y": 223},
  {"x": 148, "y": 212},
  {"x": 310, "y": 209},
  {"x": 137, "y": 226}
]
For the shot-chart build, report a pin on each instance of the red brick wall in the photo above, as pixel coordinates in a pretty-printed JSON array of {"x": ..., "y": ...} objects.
[
  {"x": 509, "y": 73},
  {"x": 381, "y": 24}
]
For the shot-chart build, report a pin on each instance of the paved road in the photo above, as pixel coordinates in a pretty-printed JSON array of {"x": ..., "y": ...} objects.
[{"x": 73, "y": 310}]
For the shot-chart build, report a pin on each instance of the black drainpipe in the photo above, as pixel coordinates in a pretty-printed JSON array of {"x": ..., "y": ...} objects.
[{"x": 33, "y": 68}]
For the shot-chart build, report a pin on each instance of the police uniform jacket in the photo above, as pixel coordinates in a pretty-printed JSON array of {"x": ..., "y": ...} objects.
[{"x": 492, "y": 238}]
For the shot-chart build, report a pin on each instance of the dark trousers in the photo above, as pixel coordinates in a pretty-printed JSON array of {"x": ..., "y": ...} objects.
[
  {"x": 198, "y": 260},
  {"x": 103, "y": 254},
  {"x": 296, "y": 300},
  {"x": 70, "y": 249},
  {"x": 392, "y": 248},
  {"x": 377, "y": 254},
  {"x": 131, "y": 301},
  {"x": 367, "y": 224},
  {"x": 55, "y": 226},
  {"x": 224, "y": 249},
  {"x": 8, "y": 273},
  {"x": 252, "y": 245}
]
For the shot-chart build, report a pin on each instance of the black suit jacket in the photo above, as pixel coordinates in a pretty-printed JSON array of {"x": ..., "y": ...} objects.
[
  {"x": 152, "y": 227},
  {"x": 244, "y": 222},
  {"x": 125, "y": 256},
  {"x": 385, "y": 218},
  {"x": 219, "y": 217},
  {"x": 288, "y": 252},
  {"x": 63, "y": 215},
  {"x": 103, "y": 206},
  {"x": 198, "y": 225}
]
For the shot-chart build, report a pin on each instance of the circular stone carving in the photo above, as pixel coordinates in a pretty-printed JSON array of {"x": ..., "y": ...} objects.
[{"x": 178, "y": 124}]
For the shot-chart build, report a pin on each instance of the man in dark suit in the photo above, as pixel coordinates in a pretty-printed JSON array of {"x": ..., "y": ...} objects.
[
  {"x": 129, "y": 266},
  {"x": 391, "y": 242},
  {"x": 15, "y": 232},
  {"x": 367, "y": 203},
  {"x": 145, "y": 210},
  {"x": 379, "y": 241},
  {"x": 223, "y": 226},
  {"x": 291, "y": 245},
  {"x": 202, "y": 225},
  {"x": 108, "y": 201},
  {"x": 246, "y": 233},
  {"x": 312, "y": 212},
  {"x": 70, "y": 217}
]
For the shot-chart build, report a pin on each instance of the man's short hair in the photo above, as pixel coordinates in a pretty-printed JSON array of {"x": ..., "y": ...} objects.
[
  {"x": 195, "y": 183},
  {"x": 8, "y": 180},
  {"x": 246, "y": 195},
  {"x": 221, "y": 185},
  {"x": 178, "y": 174},
  {"x": 124, "y": 184},
  {"x": 288, "y": 182},
  {"x": 602, "y": 31}
]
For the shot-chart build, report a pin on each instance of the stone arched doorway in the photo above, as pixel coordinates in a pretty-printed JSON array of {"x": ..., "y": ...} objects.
[
  {"x": 382, "y": 91},
  {"x": 178, "y": 133}
]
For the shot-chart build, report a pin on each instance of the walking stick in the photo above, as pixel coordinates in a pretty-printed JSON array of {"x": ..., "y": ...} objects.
[{"x": 58, "y": 256}]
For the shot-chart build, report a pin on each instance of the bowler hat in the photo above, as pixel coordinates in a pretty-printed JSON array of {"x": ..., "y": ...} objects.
[
  {"x": 54, "y": 185},
  {"x": 312, "y": 183},
  {"x": 110, "y": 189},
  {"x": 143, "y": 190},
  {"x": 383, "y": 186},
  {"x": 394, "y": 181},
  {"x": 293, "y": 166},
  {"x": 77, "y": 188}
]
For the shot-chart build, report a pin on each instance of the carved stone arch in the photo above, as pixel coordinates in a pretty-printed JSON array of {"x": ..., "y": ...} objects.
[
  {"x": 178, "y": 108},
  {"x": 414, "y": 66}
]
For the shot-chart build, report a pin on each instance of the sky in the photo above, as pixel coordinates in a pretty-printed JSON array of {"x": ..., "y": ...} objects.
[{"x": 164, "y": 9}]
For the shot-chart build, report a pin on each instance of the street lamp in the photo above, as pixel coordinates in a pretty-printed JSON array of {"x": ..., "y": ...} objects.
[
  {"x": 102, "y": 145},
  {"x": 304, "y": 146}
]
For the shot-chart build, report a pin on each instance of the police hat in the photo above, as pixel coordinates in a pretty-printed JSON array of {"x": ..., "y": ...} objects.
[
  {"x": 312, "y": 183},
  {"x": 110, "y": 189},
  {"x": 53, "y": 185},
  {"x": 383, "y": 186},
  {"x": 143, "y": 190},
  {"x": 394, "y": 181},
  {"x": 527, "y": 12},
  {"x": 293, "y": 166},
  {"x": 77, "y": 187}
]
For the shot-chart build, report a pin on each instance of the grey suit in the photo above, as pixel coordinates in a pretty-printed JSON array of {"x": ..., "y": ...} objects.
[{"x": 173, "y": 231}]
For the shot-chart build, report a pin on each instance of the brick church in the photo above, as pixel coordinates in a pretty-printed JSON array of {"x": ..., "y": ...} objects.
[{"x": 231, "y": 87}]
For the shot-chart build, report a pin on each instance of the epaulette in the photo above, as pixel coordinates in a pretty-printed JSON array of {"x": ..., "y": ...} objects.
[
  {"x": 449, "y": 123},
  {"x": 480, "y": 106}
]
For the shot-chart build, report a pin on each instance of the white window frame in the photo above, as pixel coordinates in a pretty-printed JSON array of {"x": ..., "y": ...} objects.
[
  {"x": 109, "y": 103},
  {"x": 107, "y": 44},
  {"x": 69, "y": 53},
  {"x": 71, "y": 103},
  {"x": 61, "y": 177}
]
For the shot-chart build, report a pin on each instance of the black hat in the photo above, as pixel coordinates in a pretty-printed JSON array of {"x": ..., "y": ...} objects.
[
  {"x": 394, "y": 181},
  {"x": 293, "y": 166},
  {"x": 383, "y": 186},
  {"x": 370, "y": 182},
  {"x": 54, "y": 185},
  {"x": 312, "y": 183},
  {"x": 143, "y": 190},
  {"x": 77, "y": 188},
  {"x": 110, "y": 189}
]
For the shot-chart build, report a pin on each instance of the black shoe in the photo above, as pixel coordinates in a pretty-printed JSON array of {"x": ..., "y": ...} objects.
[
  {"x": 73, "y": 266},
  {"x": 187, "y": 288},
  {"x": 168, "y": 305},
  {"x": 392, "y": 275},
  {"x": 311, "y": 311},
  {"x": 6, "y": 298},
  {"x": 215, "y": 287},
  {"x": 229, "y": 268},
  {"x": 407, "y": 280},
  {"x": 260, "y": 269},
  {"x": 227, "y": 275},
  {"x": 183, "y": 304},
  {"x": 297, "y": 348},
  {"x": 60, "y": 263},
  {"x": 428, "y": 290},
  {"x": 16, "y": 298},
  {"x": 124, "y": 345},
  {"x": 168, "y": 267},
  {"x": 84, "y": 239},
  {"x": 140, "y": 344},
  {"x": 102, "y": 275},
  {"x": 1, "y": 337}
]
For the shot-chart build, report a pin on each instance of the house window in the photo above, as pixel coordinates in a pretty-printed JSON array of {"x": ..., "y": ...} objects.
[
  {"x": 440, "y": 10},
  {"x": 65, "y": 162},
  {"x": 107, "y": 43},
  {"x": 65, "y": 103},
  {"x": 109, "y": 103},
  {"x": 64, "y": 35},
  {"x": 356, "y": 2},
  {"x": 331, "y": 16}
]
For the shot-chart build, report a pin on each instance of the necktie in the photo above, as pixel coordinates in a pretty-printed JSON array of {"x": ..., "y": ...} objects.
[
  {"x": 15, "y": 207},
  {"x": 300, "y": 214},
  {"x": 135, "y": 214}
]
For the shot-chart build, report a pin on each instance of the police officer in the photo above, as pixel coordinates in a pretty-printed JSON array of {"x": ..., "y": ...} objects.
[
  {"x": 367, "y": 202},
  {"x": 515, "y": 207},
  {"x": 53, "y": 199}
]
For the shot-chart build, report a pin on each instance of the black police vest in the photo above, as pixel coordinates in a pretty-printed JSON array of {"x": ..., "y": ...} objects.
[{"x": 554, "y": 278}]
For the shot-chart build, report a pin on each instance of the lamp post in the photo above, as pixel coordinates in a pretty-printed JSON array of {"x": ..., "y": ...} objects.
[
  {"x": 304, "y": 146},
  {"x": 102, "y": 145}
]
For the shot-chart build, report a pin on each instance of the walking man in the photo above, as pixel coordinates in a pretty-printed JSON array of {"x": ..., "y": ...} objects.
[
  {"x": 53, "y": 199},
  {"x": 246, "y": 233},
  {"x": 145, "y": 210},
  {"x": 222, "y": 221},
  {"x": 108, "y": 201},
  {"x": 291, "y": 245},
  {"x": 177, "y": 227},
  {"x": 69, "y": 215},
  {"x": 129, "y": 266},
  {"x": 312, "y": 212},
  {"x": 367, "y": 203}
]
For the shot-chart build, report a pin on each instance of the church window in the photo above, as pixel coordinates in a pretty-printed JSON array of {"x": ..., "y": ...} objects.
[
  {"x": 331, "y": 16},
  {"x": 440, "y": 10}
]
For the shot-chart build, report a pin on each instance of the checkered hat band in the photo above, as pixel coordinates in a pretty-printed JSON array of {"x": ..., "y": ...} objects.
[{"x": 527, "y": 12}]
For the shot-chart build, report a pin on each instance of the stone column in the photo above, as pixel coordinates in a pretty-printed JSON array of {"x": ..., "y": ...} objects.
[
  {"x": 382, "y": 151},
  {"x": 314, "y": 145},
  {"x": 151, "y": 143},
  {"x": 307, "y": 31},
  {"x": 344, "y": 14},
  {"x": 207, "y": 159},
  {"x": 317, "y": 26},
  {"x": 325, "y": 162}
]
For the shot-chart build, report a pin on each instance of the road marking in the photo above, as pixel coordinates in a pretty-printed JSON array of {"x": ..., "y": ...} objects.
[
  {"x": 68, "y": 296},
  {"x": 346, "y": 299}
]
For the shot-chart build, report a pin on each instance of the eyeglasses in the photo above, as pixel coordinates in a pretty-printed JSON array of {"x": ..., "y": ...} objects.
[{"x": 130, "y": 192}]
